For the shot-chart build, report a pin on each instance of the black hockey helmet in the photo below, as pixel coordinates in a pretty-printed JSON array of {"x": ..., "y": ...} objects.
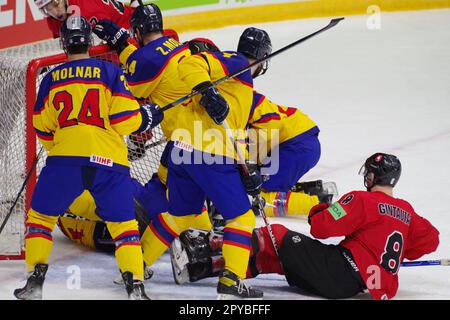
[
  {"x": 386, "y": 169},
  {"x": 255, "y": 43},
  {"x": 146, "y": 19},
  {"x": 76, "y": 34},
  {"x": 197, "y": 45}
]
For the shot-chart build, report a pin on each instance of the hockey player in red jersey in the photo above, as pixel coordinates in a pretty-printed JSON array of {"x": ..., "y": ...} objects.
[
  {"x": 120, "y": 13},
  {"x": 57, "y": 11},
  {"x": 380, "y": 232}
]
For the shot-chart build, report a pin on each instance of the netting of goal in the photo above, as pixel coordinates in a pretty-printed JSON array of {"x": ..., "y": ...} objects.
[{"x": 21, "y": 70}]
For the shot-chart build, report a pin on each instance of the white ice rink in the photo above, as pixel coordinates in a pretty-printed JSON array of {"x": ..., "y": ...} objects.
[{"x": 369, "y": 90}]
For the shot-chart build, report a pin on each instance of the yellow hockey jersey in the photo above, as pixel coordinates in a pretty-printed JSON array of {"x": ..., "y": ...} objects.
[
  {"x": 195, "y": 128},
  {"x": 152, "y": 74},
  {"x": 276, "y": 122},
  {"x": 82, "y": 112}
]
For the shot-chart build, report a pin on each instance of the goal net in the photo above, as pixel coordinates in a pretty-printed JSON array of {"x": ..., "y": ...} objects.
[{"x": 21, "y": 71}]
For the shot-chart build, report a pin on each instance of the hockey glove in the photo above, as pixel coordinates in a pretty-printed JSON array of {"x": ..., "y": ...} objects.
[
  {"x": 115, "y": 36},
  {"x": 151, "y": 116},
  {"x": 253, "y": 181},
  {"x": 215, "y": 105},
  {"x": 317, "y": 209}
]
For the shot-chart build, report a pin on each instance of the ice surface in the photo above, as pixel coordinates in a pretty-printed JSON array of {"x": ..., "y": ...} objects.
[{"x": 369, "y": 90}]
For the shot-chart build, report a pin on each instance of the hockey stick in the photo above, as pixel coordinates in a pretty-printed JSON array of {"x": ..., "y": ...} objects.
[
  {"x": 33, "y": 166},
  {"x": 420, "y": 263},
  {"x": 156, "y": 143},
  {"x": 332, "y": 23},
  {"x": 258, "y": 198}
]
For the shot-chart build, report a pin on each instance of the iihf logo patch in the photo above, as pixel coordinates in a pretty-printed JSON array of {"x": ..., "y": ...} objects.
[{"x": 296, "y": 239}]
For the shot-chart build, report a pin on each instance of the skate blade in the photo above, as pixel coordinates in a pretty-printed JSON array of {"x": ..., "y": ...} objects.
[{"x": 35, "y": 295}]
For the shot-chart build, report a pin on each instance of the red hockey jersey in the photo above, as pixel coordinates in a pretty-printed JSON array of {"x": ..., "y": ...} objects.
[
  {"x": 380, "y": 231},
  {"x": 96, "y": 10}
]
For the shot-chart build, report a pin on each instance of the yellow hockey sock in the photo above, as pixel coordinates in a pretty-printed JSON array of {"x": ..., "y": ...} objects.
[
  {"x": 38, "y": 238},
  {"x": 236, "y": 243},
  {"x": 288, "y": 203},
  {"x": 128, "y": 247}
]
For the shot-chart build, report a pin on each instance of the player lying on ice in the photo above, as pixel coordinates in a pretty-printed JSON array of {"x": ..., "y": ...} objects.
[{"x": 380, "y": 232}]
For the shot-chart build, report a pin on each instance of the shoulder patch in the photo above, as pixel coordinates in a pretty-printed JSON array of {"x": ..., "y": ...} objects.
[
  {"x": 336, "y": 211},
  {"x": 347, "y": 199}
]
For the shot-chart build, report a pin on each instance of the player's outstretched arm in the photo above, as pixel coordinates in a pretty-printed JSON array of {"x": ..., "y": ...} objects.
[
  {"x": 116, "y": 36},
  {"x": 423, "y": 238}
]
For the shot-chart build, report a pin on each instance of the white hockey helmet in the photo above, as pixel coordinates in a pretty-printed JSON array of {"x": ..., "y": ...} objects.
[
  {"x": 41, "y": 3},
  {"x": 47, "y": 6}
]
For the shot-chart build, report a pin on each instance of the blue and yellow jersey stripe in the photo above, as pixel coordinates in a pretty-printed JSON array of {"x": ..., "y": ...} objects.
[
  {"x": 82, "y": 112},
  {"x": 276, "y": 120}
]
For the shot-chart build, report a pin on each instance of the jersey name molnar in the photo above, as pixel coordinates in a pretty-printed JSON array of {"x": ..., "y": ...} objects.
[{"x": 394, "y": 212}]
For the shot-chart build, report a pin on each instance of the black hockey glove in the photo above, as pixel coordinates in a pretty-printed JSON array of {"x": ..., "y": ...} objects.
[
  {"x": 151, "y": 116},
  {"x": 253, "y": 181},
  {"x": 115, "y": 36},
  {"x": 215, "y": 105}
]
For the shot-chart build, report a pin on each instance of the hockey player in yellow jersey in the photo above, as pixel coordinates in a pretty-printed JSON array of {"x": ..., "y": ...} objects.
[
  {"x": 82, "y": 112},
  {"x": 164, "y": 71},
  {"x": 290, "y": 138}
]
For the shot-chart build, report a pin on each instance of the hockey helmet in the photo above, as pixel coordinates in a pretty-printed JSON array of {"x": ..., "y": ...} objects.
[
  {"x": 255, "y": 43},
  {"x": 197, "y": 45},
  {"x": 146, "y": 19},
  {"x": 76, "y": 34},
  {"x": 381, "y": 169}
]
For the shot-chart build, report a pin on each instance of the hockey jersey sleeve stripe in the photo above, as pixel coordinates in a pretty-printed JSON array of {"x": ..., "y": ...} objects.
[
  {"x": 268, "y": 117},
  {"x": 122, "y": 116},
  {"x": 39, "y": 106},
  {"x": 257, "y": 101},
  {"x": 123, "y": 95},
  {"x": 288, "y": 112},
  {"x": 245, "y": 78},
  {"x": 48, "y": 136},
  {"x": 152, "y": 77}
]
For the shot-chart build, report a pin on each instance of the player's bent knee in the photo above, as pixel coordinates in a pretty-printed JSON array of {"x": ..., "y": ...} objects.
[
  {"x": 246, "y": 221},
  {"x": 44, "y": 220},
  {"x": 118, "y": 228}
]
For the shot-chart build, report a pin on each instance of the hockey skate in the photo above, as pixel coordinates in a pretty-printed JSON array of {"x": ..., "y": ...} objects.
[
  {"x": 33, "y": 287},
  {"x": 230, "y": 286},
  {"x": 325, "y": 191},
  {"x": 191, "y": 254},
  {"x": 148, "y": 274},
  {"x": 179, "y": 260},
  {"x": 135, "y": 288}
]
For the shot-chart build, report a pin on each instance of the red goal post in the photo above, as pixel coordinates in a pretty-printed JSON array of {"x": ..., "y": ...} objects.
[{"x": 21, "y": 70}]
